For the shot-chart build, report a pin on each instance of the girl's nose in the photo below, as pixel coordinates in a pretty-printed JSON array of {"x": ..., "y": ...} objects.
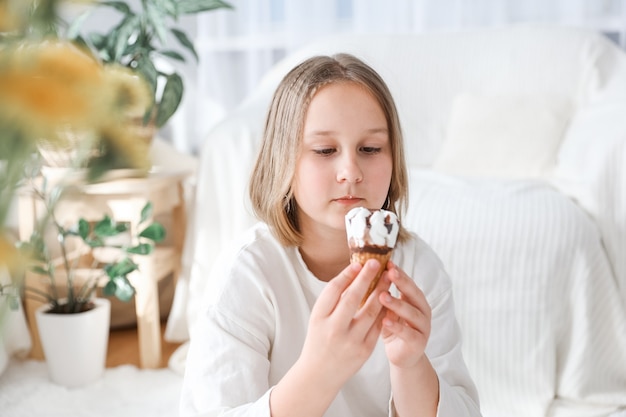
[{"x": 349, "y": 170}]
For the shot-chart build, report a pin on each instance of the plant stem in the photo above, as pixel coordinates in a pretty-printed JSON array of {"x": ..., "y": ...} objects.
[
  {"x": 50, "y": 270},
  {"x": 87, "y": 290},
  {"x": 69, "y": 271}
]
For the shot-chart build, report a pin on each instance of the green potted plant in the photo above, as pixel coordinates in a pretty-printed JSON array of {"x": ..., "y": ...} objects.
[
  {"x": 139, "y": 38},
  {"x": 69, "y": 258},
  {"x": 64, "y": 272}
]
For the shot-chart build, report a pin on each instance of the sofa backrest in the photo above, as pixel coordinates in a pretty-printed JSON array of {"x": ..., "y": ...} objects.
[{"x": 427, "y": 72}]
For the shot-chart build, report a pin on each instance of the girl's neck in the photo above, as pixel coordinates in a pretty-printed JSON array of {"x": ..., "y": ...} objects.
[{"x": 325, "y": 257}]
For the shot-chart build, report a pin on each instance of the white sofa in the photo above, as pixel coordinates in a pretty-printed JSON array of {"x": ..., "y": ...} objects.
[{"x": 516, "y": 141}]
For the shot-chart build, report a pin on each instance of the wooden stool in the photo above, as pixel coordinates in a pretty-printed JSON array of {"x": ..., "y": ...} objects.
[{"x": 122, "y": 199}]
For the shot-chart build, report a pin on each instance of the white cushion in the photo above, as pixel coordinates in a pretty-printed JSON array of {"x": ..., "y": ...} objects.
[{"x": 505, "y": 136}]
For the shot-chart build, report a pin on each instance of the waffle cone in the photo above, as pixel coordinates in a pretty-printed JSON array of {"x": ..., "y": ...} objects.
[{"x": 362, "y": 257}]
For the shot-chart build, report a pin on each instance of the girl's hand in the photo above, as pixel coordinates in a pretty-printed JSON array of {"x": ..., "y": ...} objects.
[
  {"x": 341, "y": 336},
  {"x": 406, "y": 325}
]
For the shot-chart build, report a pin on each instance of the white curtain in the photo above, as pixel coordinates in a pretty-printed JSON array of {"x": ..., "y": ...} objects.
[{"x": 238, "y": 46}]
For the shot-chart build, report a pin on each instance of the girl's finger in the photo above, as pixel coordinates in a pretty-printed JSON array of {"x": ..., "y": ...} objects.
[
  {"x": 404, "y": 320},
  {"x": 409, "y": 290},
  {"x": 410, "y": 318},
  {"x": 353, "y": 295},
  {"x": 390, "y": 317},
  {"x": 332, "y": 293},
  {"x": 372, "y": 307},
  {"x": 375, "y": 330},
  {"x": 382, "y": 285}
]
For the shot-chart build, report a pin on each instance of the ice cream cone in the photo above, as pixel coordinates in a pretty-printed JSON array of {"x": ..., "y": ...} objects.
[
  {"x": 362, "y": 256},
  {"x": 371, "y": 234}
]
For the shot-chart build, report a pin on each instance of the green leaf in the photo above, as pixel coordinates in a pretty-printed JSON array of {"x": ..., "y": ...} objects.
[
  {"x": 105, "y": 227},
  {"x": 145, "y": 67},
  {"x": 148, "y": 115},
  {"x": 141, "y": 249},
  {"x": 146, "y": 212},
  {"x": 13, "y": 303},
  {"x": 100, "y": 43},
  {"x": 97, "y": 166},
  {"x": 154, "y": 232},
  {"x": 170, "y": 100},
  {"x": 157, "y": 22},
  {"x": 34, "y": 248},
  {"x": 39, "y": 270},
  {"x": 119, "y": 287},
  {"x": 118, "y": 5},
  {"x": 196, "y": 6},
  {"x": 122, "y": 34},
  {"x": 173, "y": 54},
  {"x": 109, "y": 288},
  {"x": 185, "y": 41},
  {"x": 95, "y": 242},
  {"x": 74, "y": 29},
  {"x": 121, "y": 268},
  {"x": 124, "y": 291},
  {"x": 83, "y": 228},
  {"x": 82, "y": 43},
  {"x": 168, "y": 7},
  {"x": 97, "y": 39}
]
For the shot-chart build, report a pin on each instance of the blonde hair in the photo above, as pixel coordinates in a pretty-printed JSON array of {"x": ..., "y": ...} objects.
[{"x": 274, "y": 170}]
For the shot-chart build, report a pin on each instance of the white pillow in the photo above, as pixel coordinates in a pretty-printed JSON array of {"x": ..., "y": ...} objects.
[{"x": 505, "y": 136}]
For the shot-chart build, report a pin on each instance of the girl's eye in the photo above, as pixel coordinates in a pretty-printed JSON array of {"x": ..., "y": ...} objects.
[
  {"x": 370, "y": 150},
  {"x": 325, "y": 151}
]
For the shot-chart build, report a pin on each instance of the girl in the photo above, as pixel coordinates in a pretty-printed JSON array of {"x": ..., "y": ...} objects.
[{"x": 283, "y": 333}]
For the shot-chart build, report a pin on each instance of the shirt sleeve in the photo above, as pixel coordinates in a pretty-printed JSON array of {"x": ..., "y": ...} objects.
[
  {"x": 226, "y": 372},
  {"x": 458, "y": 396}
]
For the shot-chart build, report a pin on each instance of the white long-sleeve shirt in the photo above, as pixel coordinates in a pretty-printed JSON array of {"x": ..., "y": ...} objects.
[{"x": 258, "y": 305}]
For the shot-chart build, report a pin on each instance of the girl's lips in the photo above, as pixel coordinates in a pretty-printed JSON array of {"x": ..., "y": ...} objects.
[{"x": 348, "y": 199}]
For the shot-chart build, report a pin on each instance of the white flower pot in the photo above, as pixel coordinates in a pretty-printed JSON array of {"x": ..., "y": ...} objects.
[{"x": 75, "y": 345}]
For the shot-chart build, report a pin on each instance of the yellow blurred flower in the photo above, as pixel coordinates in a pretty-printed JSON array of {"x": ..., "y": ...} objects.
[
  {"x": 131, "y": 93},
  {"x": 121, "y": 145},
  {"x": 62, "y": 99},
  {"x": 121, "y": 140},
  {"x": 50, "y": 84}
]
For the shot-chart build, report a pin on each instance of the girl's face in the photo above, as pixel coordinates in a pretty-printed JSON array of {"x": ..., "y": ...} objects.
[{"x": 345, "y": 158}]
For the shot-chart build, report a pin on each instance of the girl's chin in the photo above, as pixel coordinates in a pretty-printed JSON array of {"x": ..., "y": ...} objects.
[{"x": 347, "y": 205}]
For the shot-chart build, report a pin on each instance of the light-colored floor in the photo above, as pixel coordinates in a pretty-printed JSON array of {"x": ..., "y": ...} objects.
[
  {"x": 124, "y": 348},
  {"x": 26, "y": 389}
]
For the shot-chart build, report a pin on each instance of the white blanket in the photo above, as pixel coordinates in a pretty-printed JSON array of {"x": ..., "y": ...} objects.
[{"x": 536, "y": 298}]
